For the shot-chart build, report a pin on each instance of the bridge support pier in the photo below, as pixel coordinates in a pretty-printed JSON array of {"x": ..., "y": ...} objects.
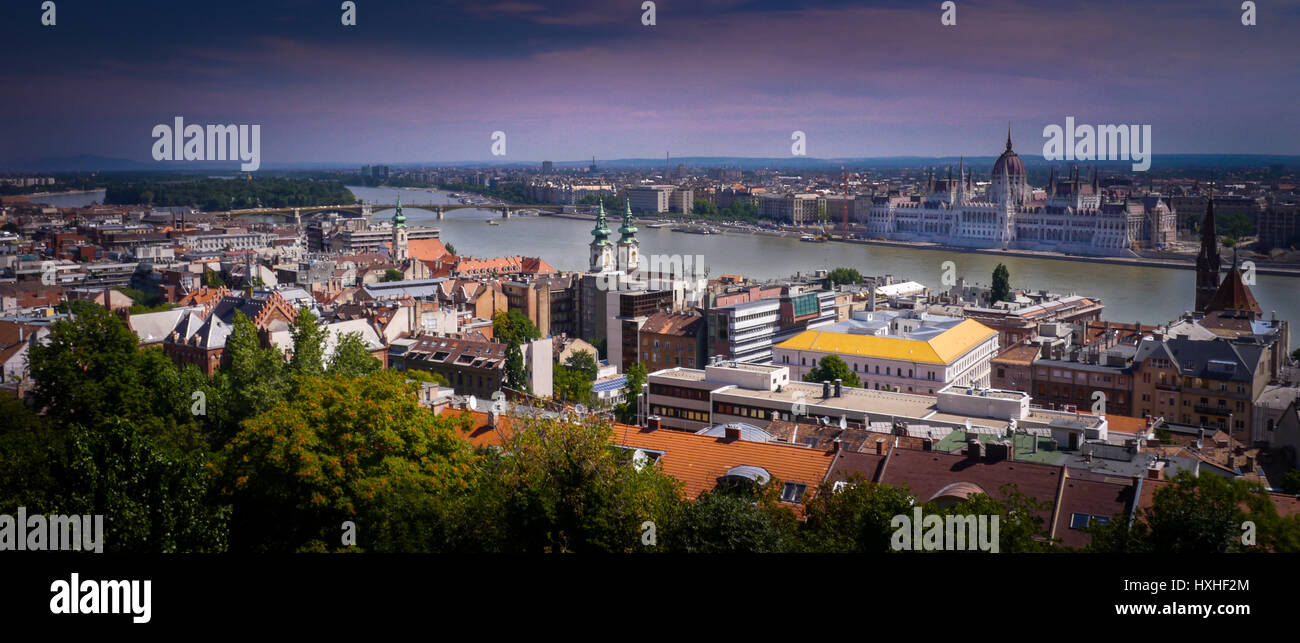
[
  {"x": 438, "y": 211},
  {"x": 505, "y": 213}
]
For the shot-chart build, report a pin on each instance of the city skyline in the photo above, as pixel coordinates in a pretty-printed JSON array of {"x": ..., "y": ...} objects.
[{"x": 429, "y": 84}]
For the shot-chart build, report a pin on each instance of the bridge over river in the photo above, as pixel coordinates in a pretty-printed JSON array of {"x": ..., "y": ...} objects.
[{"x": 364, "y": 209}]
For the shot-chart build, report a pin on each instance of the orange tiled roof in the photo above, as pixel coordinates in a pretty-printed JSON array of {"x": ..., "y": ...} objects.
[
  {"x": 424, "y": 249},
  {"x": 697, "y": 460}
]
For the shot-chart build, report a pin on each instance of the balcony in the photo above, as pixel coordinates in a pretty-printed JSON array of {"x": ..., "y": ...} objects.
[{"x": 1213, "y": 409}]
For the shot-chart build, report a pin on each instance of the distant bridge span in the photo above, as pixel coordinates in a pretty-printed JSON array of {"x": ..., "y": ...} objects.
[{"x": 439, "y": 209}]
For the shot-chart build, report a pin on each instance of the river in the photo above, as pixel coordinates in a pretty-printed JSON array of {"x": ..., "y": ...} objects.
[{"x": 1130, "y": 293}]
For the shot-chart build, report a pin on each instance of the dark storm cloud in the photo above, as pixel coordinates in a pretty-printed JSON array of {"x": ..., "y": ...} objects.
[{"x": 428, "y": 81}]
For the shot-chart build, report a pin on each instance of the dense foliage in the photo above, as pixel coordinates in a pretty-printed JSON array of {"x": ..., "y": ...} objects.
[
  {"x": 230, "y": 194},
  {"x": 334, "y": 453}
]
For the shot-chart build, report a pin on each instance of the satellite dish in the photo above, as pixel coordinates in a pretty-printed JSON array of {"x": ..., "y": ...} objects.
[
  {"x": 844, "y": 423},
  {"x": 471, "y": 402}
]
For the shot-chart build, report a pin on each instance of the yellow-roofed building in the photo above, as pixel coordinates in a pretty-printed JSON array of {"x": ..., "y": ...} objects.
[{"x": 897, "y": 351}]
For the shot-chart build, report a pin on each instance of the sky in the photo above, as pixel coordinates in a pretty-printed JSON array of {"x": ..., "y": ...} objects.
[{"x": 428, "y": 82}]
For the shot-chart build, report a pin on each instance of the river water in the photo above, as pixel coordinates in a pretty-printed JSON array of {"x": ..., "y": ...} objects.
[{"x": 1130, "y": 293}]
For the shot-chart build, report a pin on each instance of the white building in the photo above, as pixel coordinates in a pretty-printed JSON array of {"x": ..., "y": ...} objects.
[
  {"x": 903, "y": 351},
  {"x": 650, "y": 198},
  {"x": 1068, "y": 216}
]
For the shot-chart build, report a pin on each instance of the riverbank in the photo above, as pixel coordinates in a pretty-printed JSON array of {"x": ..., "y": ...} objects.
[
  {"x": 64, "y": 193},
  {"x": 1262, "y": 268}
]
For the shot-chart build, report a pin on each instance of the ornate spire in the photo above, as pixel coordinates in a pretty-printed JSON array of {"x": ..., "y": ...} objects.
[
  {"x": 1207, "y": 261},
  {"x": 601, "y": 231},
  {"x": 399, "y": 220},
  {"x": 628, "y": 229},
  {"x": 1008, "y": 136}
]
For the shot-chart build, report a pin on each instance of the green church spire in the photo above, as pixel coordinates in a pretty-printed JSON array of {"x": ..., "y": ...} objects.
[
  {"x": 601, "y": 231},
  {"x": 628, "y": 230},
  {"x": 399, "y": 220}
]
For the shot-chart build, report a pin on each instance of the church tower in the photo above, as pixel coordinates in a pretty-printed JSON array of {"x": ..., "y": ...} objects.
[
  {"x": 602, "y": 253},
  {"x": 629, "y": 249},
  {"x": 401, "y": 249},
  {"x": 1207, "y": 261}
]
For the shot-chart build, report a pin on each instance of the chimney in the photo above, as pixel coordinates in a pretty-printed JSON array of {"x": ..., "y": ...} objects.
[
  {"x": 732, "y": 432},
  {"x": 654, "y": 423},
  {"x": 880, "y": 446},
  {"x": 836, "y": 445},
  {"x": 927, "y": 444},
  {"x": 999, "y": 451},
  {"x": 839, "y": 387},
  {"x": 1156, "y": 470},
  {"x": 974, "y": 449},
  {"x": 1249, "y": 467},
  {"x": 826, "y": 389}
]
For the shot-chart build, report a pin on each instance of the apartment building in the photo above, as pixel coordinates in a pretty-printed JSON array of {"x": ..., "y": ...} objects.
[{"x": 653, "y": 199}]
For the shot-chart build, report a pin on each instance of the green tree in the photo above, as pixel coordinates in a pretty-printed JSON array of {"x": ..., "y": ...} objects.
[
  {"x": 335, "y": 453},
  {"x": 583, "y": 362},
  {"x": 352, "y": 358},
  {"x": 854, "y": 519},
  {"x": 426, "y": 376},
  {"x": 391, "y": 275},
  {"x": 450, "y": 248},
  {"x": 843, "y": 275},
  {"x": 1021, "y": 524},
  {"x": 212, "y": 279},
  {"x": 516, "y": 375},
  {"x": 1188, "y": 515},
  {"x": 562, "y": 487},
  {"x": 29, "y": 448},
  {"x": 830, "y": 369},
  {"x": 636, "y": 377},
  {"x": 571, "y": 385},
  {"x": 87, "y": 369},
  {"x": 154, "y": 500},
  {"x": 733, "y": 519},
  {"x": 255, "y": 376},
  {"x": 513, "y": 327},
  {"x": 1291, "y": 482},
  {"x": 308, "y": 345},
  {"x": 1001, "y": 284},
  {"x": 704, "y": 208}
]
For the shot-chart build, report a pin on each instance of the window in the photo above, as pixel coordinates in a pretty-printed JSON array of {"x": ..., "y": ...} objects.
[
  {"x": 793, "y": 492},
  {"x": 1078, "y": 521}
]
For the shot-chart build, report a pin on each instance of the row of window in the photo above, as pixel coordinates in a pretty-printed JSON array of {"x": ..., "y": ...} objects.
[
  {"x": 740, "y": 410},
  {"x": 889, "y": 370},
  {"x": 680, "y": 392},
  {"x": 681, "y": 414}
]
